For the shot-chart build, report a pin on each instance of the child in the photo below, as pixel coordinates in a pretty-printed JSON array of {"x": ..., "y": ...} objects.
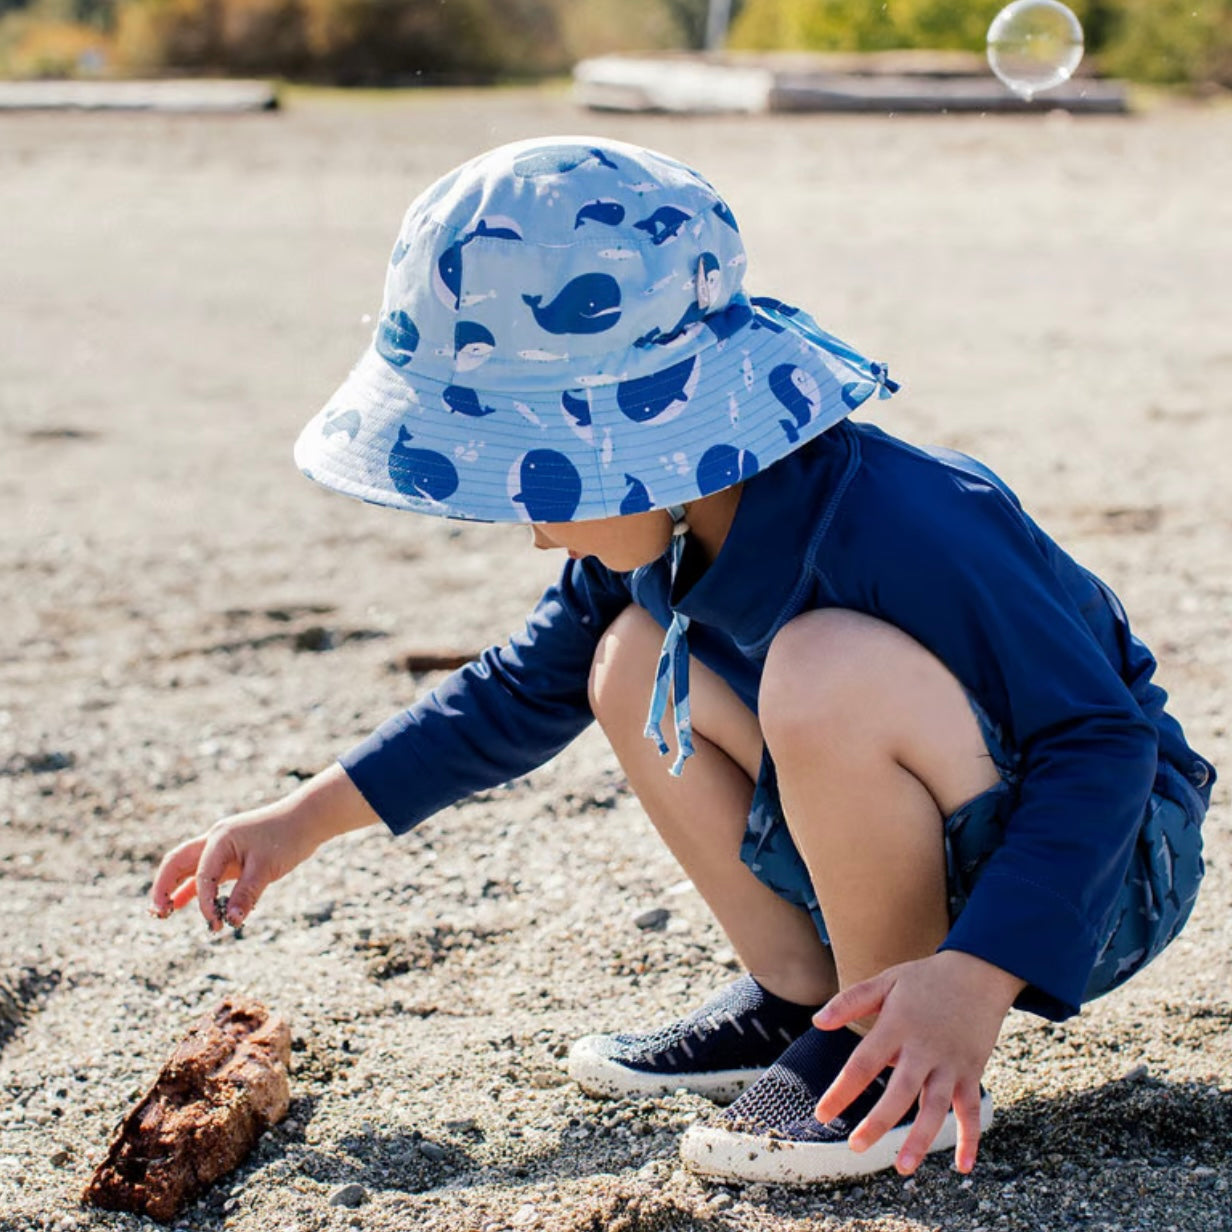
[{"x": 919, "y": 770}]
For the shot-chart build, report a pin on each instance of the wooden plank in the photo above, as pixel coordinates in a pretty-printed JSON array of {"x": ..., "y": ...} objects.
[
  {"x": 171, "y": 96},
  {"x": 934, "y": 95},
  {"x": 904, "y": 81}
]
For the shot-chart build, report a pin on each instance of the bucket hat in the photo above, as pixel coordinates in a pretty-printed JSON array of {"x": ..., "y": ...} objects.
[{"x": 565, "y": 336}]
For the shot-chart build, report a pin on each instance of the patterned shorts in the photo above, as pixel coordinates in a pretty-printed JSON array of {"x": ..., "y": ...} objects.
[{"x": 1156, "y": 898}]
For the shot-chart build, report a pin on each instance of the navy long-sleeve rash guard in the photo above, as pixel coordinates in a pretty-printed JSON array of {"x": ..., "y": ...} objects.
[{"x": 931, "y": 542}]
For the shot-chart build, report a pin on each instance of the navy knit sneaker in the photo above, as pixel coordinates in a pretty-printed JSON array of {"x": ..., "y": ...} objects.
[
  {"x": 716, "y": 1051},
  {"x": 771, "y": 1135}
]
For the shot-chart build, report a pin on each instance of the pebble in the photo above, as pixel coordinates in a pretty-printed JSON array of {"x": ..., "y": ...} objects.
[
  {"x": 430, "y": 1150},
  {"x": 348, "y": 1195},
  {"x": 320, "y": 913},
  {"x": 1137, "y": 1074},
  {"x": 60, "y": 1158},
  {"x": 654, "y": 918},
  {"x": 545, "y": 1078},
  {"x": 523, "y": 1215}
]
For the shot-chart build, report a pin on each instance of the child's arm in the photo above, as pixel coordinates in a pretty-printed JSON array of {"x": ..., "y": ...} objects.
[{"x": 256, "y": 848}]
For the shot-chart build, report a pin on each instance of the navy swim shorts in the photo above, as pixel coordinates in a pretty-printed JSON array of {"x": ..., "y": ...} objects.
[{"x": 1156, "y": 898}]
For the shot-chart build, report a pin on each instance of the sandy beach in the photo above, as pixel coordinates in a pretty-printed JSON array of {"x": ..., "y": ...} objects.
[{"x": 190, "y": 628}]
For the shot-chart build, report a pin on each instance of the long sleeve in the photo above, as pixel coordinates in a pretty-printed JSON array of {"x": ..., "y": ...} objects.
[
  {"x": 957, "y": 565},
  {"x": 496, "y": 718}
]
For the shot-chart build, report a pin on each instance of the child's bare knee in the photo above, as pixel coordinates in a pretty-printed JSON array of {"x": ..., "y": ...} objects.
[
  {"x": 816, "y": 673},
  {"x": 623, "y": 663}
]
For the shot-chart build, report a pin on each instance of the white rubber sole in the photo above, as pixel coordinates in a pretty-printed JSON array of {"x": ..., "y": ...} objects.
[
  {"x": 717, "y": 1152},
  {"x": 597, "y": 1074}
]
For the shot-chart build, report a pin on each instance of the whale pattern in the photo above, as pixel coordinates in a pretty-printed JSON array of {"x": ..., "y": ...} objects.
[
  {"x": 724, "y": 212},
  {"x": 549, "y": 486},
  {"x": 661, "y": 395},
  {"x": 609, "y": 213},
  {"x": 558, "y": 160},
  {"x": 448, "y": 276},
  {"x": 799, "y": 392},
  {"x": 637, "y": 498},
  {"x": 472, "y": 344},
  {"x": 421, "y": 473},
  {"x": 723, "y": 465},
  {"x": 728, "y": 322},
  {"x": 397, "y": 338},
  {"x": 664, "y": 223},
  {"x": 576, "y": 408},
  {"x": 465, "y": 402},
  {"x": 588, "y": 304},
  {"x": 342, "y": 421}
]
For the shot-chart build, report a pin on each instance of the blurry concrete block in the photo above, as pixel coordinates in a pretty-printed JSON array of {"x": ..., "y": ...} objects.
[
  {"x": 881, "y": 82},
  {"x": 181, "y": 96}
]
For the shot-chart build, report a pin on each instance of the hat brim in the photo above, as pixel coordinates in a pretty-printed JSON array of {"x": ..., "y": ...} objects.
[{"x": 725, "y": 404}]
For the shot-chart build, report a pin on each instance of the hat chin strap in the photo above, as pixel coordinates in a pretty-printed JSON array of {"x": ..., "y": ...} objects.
[{"x": 673, "y": 665}]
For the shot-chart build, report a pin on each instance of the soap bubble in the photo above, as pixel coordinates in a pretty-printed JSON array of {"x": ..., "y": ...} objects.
[{"x": 1034, "y": 45}]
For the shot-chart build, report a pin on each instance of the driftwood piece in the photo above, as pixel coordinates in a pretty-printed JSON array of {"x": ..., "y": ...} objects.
[
  {"x": 442, "y": 659},
  {"x": 225, "y": 1084}
]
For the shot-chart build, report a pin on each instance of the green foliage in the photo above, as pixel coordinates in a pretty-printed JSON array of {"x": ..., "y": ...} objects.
[
  {"x": 349, "y": 42},
  {"x": 1171, "y": 41},
  {"x": 867, "y": 25},
  {"x": 1147, "y": 40},
  {"x": 392, "y": 41}
]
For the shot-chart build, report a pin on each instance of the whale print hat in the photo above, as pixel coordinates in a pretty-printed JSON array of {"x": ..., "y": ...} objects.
[{"x": 564, "y": 336}]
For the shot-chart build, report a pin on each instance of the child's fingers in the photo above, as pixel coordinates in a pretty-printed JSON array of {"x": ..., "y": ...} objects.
[
  {"x": 177, "y": 866},
  {"x": 184, "y": 894},
  {"x": 934, "y": 1107},
  {"x": 862, "y": 1067},
  {"x": 859, "y": 1001},
  {"x": 967, "y": 1114},
  {"x": 904, "y": 1085},
  {"x": 218, "y": 864},
  {"x": 244, "y": 895}
]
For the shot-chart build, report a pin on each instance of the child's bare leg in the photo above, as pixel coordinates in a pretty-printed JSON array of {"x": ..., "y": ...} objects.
[
  {"x": 701, "y": 815},
  {"x": 875, "y": 744}
]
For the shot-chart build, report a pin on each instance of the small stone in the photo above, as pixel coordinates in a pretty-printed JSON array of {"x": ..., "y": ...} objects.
[
  {"x": 654, "y": 918},
  {"x": 523, "y": 1215},
  {"x": 351, "y": 1195},
  {"x": 1137, "y": 1074},
  {"x": 759, "y": 1193},
  {"x": 545, "y": 1078},
  {"x": 1202, "y": 1171},
  {"x": 857, "y": 1193},
  {"x": 430, "y": 1150},
  {"x": 320, "y": 913},
  {"x": 725, "y": 958},
  {"x": 464, "y": 1126},
  {"x": 60, "y": 1158},
  {"x": 721, "y": 1201}
]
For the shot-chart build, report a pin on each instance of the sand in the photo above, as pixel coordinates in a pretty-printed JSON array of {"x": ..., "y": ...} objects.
[{"x": 190, "y": 628}]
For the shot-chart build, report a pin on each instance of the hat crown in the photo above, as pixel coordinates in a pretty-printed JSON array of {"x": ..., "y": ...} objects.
[{"x": 558, "y": 264}]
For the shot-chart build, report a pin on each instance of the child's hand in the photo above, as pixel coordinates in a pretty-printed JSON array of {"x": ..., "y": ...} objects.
[
  {"x": 937, "y": 1023},
  {"x": 255, "y": 849}
]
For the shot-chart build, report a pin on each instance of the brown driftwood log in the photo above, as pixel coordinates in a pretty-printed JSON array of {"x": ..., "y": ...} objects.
[{"x": 225, "y": 1084}]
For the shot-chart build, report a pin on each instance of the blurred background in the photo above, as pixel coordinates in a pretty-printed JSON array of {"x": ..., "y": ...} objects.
[{"x": 399, "y": 42}]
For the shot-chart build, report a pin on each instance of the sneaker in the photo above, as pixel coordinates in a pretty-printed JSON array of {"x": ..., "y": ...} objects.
[
  {"x": 716, "y": 1051},
  {"x": 771, "y": 1135}
]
